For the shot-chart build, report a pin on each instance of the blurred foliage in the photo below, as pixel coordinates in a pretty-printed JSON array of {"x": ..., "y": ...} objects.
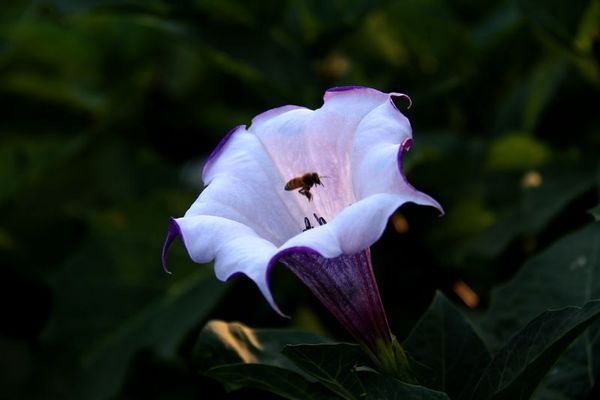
[{"x": 108, "y": 108}]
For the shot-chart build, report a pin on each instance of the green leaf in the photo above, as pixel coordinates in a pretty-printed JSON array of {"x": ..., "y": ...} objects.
[
  {"x": 445, "y": 344},
  {"x": 239, "y": 356},
  {"x": 517, "y": 369},
  {"x": 568, "y": 273},
  {"x": 380, "y": 387},
  {"x": 281, "y": 381},
  {"x": 331, "y": 364},
  {"x": 223, "y": 342}
]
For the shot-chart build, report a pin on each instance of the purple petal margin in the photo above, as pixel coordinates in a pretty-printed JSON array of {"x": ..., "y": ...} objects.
[
  {"x": 404, "y": 147},
  {"x": 403, "y": 96},
  {"x": 347, "y": 287},
  {"x": 173, "y": 232},
  {"x": 332, "y": 91},
  {"x": 346, "y": 88},
  {"x": 219, "y": 147}
]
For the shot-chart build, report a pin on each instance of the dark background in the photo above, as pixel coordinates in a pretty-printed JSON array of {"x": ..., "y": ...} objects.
[{"x": 108, "y": 108}]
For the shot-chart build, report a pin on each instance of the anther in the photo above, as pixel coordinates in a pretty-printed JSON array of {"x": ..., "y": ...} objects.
[
  {"x": 307, "y": 224},
  {"x": 320, "y": 220}
]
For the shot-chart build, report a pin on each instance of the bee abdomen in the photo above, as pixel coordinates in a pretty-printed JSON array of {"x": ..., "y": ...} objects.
[{"x": 293, "y": 184}]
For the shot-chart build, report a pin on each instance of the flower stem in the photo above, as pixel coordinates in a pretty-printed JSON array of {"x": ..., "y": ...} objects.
[{"x": 392, "y": 360}]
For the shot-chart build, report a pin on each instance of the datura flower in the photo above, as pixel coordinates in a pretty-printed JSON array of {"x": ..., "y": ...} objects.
[{"x": 311, "y": 189}]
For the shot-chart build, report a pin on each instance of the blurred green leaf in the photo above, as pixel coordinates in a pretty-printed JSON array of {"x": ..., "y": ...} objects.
[
  {"x": 25, "y": 160},
  {"x": 448, "y": 352},
  {"x": 587, "y": 41},
  {"x": 331, "y": 364},
  {"x": 559, "y": 18},
  {"x": 111, "y": 297},
  {"x": 595, "y": 212},
  {"x": 161, "y": 326},
  {"x": 51, "y": 90},
  {"x": 518, "y": 367},
  {"x": 517, "y": 151},
  {"x": 381, "y": 387},
  {"x": 544, "y": 84},
  {"x": 543, "y": 195}
]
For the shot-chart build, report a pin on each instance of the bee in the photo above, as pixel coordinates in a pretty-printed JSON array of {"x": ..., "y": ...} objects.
[{"x": 304, "y": 182}]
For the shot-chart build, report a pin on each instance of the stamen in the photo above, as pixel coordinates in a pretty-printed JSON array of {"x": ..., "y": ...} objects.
[
  {"x": 307, "y": 225},
  {"x": 320, "y": 220}
]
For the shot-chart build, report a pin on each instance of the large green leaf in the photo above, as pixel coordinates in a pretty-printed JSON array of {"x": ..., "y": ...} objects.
[
  {"x": 568, "y": 273},
  {"x": 517, "y": 369},
  {"x": 222, "y": 343},
  {"x": 239, "y": 356},
  {"x": 449, "y": 352},
  {"x": 331, "y": 364},
  {"x": 381, "y": 387},
  {"x": 281, "y": 381}
]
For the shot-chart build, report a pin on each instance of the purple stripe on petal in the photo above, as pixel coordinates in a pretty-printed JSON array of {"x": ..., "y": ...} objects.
[
  {"x": 219, "y": 147},
  {"x": 173, "y": 232}
]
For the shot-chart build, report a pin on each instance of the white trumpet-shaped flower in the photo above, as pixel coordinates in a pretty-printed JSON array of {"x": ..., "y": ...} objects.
[{"x": 246, "y": 221}]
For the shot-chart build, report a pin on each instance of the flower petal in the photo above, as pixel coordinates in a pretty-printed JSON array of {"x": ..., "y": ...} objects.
[
  {"x": 244, "y": 186},
  {"x": 380, "y": 140},
  {"x": 363, "y": 223},
  {"x": 375, "y": 148},
  {"x": 236, "y": 249},
  {"x": 245, "y": 220},
  {"x": 357, "y": 227},
  {"x": 301, "y": 141}
]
